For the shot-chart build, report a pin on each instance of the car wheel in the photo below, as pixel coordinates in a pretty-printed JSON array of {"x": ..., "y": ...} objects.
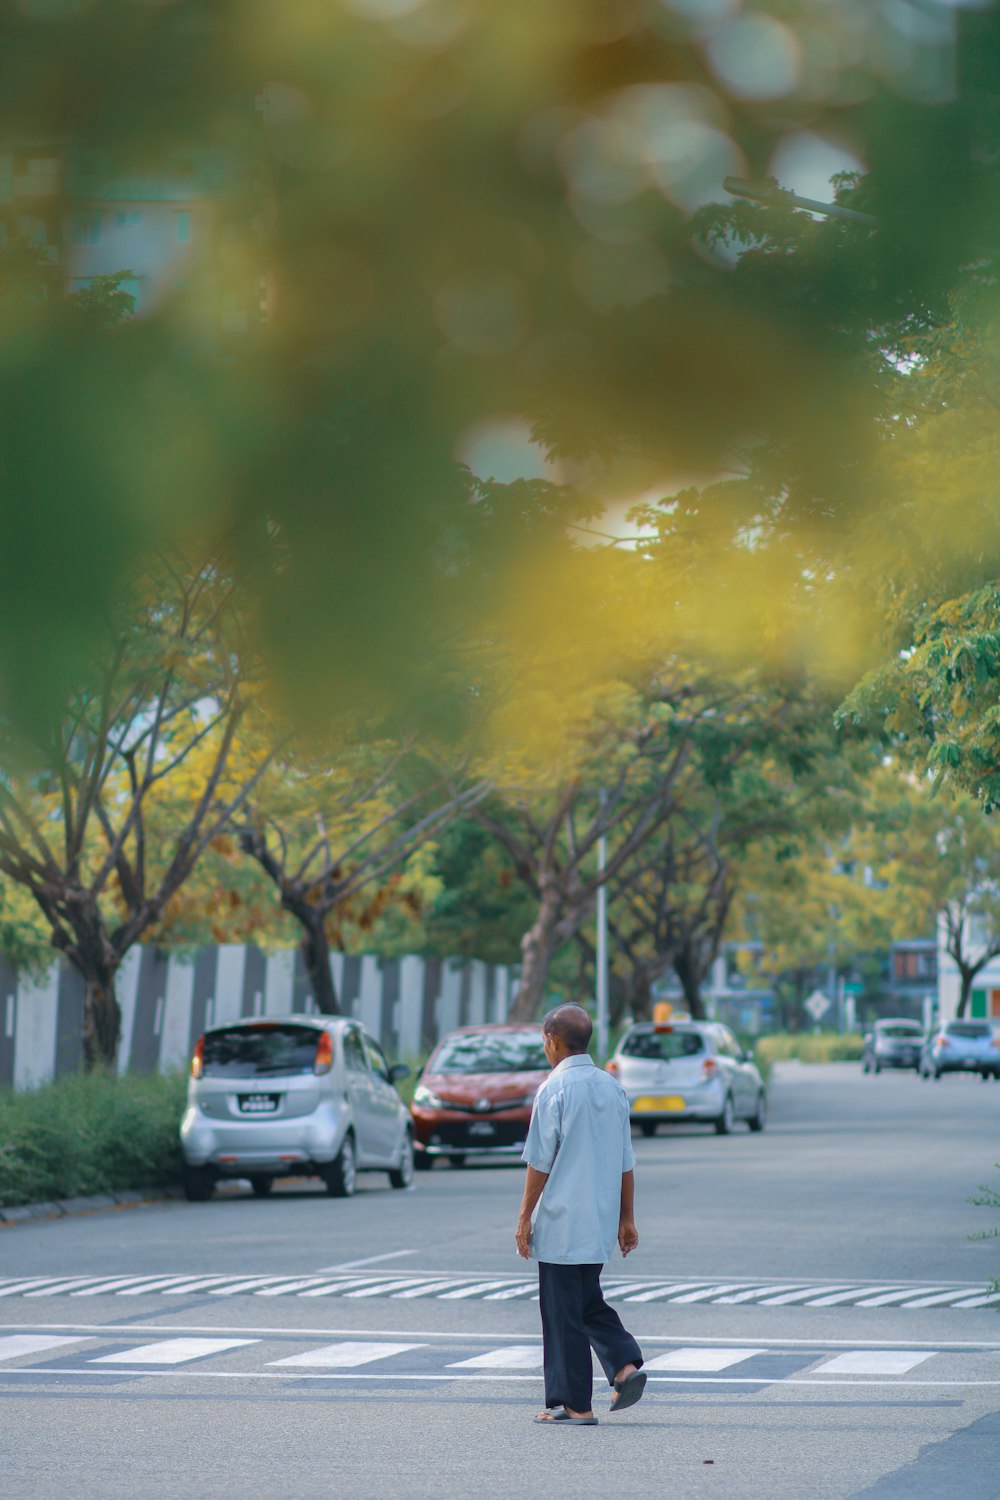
[
  {"x": 422, "y": 1161},
  {"x": 261, "y": 1185},
  {"x": 724, "y": 1122},
  {"x": 341, "y": 1175},
  {"x": 985, "y": 1074},
  {"x": 936, "y": 1074},
  {"x": 648, "y": 1127},
  {"x": 198, "y": 1183},
  {"x": 758, "y": 1119},
  {"x": 866, "y": 1066},
  {"x": 456, "y": 1161},
  {"x": 402, "y": 1176}
]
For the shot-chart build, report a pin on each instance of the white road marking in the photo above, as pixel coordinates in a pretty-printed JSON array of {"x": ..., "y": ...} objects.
[
  {"x": 14, "y": 1345},
  {"x": 150, "y": 1284},
  {"x": 710, "y": 1291},
  {"x": 935, "y": 1301},
  {"x": 524, "y": 1290},
  {"x": 283, "y": 1288},
  {"x": 171, "y": 1351},
  {"x": 989, "y": 1300},
  {"x": 29, "y": 1281},
  {"x": 472, "y": 1291},
  {"x": 331, "y": 1288},
  {"x": 346, "y": 1356},
  {"x": 369, "y": 1260},
  {"x": 516, "y": 1357},
  {"x": 425, "y": 1289},
  {"x": 874, "y": 1362},
  {"x": 636, "y": 1292},
  {"x": 382, "y": 1287},
  {"x": 888, "y": 1298},
  {"x": 195, "y": 1284},
  {"x": 52, "y": 1289},
  {"x": 758, "y": 1291},
  {"x": 784, "y": 1298},
  {"x": 701, "y": 1359},
  {"x": 839, "y": 1297},
  {"x": 250, "y": 1285},
  {"x": 134, "y": 1284}
]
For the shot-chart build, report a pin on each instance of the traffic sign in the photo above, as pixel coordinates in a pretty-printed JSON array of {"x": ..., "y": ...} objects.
[{"x": 818, "y": 1004}]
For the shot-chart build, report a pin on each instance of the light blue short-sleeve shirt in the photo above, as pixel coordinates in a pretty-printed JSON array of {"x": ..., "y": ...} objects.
[{"x": 579, "y": 1135}]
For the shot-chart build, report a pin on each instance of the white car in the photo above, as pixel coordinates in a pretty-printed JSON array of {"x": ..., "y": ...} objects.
[
  {"x": 293, "y": 1096},
  {"x": 688, "y": 1070}
]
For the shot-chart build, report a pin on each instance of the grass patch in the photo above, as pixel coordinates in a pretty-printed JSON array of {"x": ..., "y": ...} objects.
[
  {"x": 810, "y": 1047},
  {"x": 90, "y": 1133}
]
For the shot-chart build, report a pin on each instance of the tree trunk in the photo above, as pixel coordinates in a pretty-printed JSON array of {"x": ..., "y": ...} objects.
[
  {"x": 102, "y": 1023},
  {"x": 688, "y": 971},
  {"x": 316, "y": 957},
  {"x": 968, "y": 978},
  {"x": 537, "y": 946}
]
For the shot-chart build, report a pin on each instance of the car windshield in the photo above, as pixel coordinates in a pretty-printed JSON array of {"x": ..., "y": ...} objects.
[
  {"x": 502, "y": 1052},
  {"x": 973, "y": 1029},
  {"x": 259, "y": 1051},
  {"x": 662, "y": 1046},
  {"x": 909, "y": 1029}
]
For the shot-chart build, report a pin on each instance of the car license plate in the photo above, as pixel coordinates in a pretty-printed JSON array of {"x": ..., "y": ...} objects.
[
  {"x": 661, "y": 1102},
  {"x": 258, "y": 1104},
  {"x": 482, "y": 1127}
]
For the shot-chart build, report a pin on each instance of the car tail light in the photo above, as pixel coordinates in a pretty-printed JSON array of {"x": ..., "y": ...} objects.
[
  {"x": 198, "y": 1058},
  {"x": 323, "y": 1061},
  {"x": 942, "y": 1041},
  {"x": 612, "y": 1066},
  {"x": 709, "y": 1067}
]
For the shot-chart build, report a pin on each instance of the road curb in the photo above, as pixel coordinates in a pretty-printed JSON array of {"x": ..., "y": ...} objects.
[{"x": 59, "y": 1208}]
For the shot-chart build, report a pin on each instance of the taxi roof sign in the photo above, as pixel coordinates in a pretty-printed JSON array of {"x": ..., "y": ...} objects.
[{"x": 663, "y": 1013}]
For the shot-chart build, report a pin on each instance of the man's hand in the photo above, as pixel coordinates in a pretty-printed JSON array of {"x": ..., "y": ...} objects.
[
  {"x": 628, "y": 1235},
  {"x": 522, "y": 1237}
]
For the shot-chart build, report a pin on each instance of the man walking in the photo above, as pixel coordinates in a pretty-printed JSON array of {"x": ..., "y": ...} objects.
[{"x": 579, "y": 1189}]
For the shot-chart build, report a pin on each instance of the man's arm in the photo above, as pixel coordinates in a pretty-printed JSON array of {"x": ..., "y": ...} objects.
[
  {"x": 533, "y": 1183},
  {"x": 628, "y": 1235}
]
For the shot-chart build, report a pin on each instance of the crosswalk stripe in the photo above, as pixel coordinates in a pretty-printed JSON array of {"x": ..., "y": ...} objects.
[
  {"x": 119, "y": 1284},
  {"x": 344, "y": 1356},
  {"x": 150, "y": 1284},
  {"x": 381, "y": 1287},
  {"x": 709, "y": 1360},
  {"x": 16, "y": 1287},
  {"x": 634, "y": 1291},
  {"x": 425, "y": 1290},
  {"x": 749, "y": 1293},
  {"x": 14, "y": 1345},
  {"x": 250, "y": 1285},
  {"x": 285, "y": 1287},
  {"x": 708, "y": 1292},
  {"x": 524, "y": 1290},
  {"x": 170, "y": 1351},
  {"x": 991, "y": 1299},
  {"x": 886, "y": 1299},
  {"x": 514, "y": 1357},
  {"x": 472, "y": 1291},
  {"x": 846, "y": 1296},
  {"x": 934, "y": 1301},
  {"x": 340, "y": 1284},
  {"x": 873, "y": 1362},
  {"x": 195, "y": 1284},
  {"x": 785, "y": 1298},
  {"x": 54, "y": 1289}
]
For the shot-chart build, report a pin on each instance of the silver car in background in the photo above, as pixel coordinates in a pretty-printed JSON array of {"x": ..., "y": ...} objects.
[
  {"x": 688, "y": 1070},
  {"x": 293, "y": 1096},
  {"x": 892, "y": 1043},
  {"x": 961, "y": 1047}
]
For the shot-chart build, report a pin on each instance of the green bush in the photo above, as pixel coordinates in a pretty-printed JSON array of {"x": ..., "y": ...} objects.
[
  {"x": 810, "y": 1047},
  {"x": 89, "y": 1133}
]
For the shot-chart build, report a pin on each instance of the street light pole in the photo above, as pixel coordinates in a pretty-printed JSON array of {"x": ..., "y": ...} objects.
[
  {"x": 602, "y": 941},
  {"x": 776, "y": 197}
]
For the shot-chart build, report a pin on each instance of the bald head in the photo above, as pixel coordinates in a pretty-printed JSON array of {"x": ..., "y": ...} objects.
[{"x": 571, "y": 1025}]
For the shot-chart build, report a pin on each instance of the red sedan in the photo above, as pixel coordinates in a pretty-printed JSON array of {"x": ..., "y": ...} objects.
[{"x": 475, "y": 1094}]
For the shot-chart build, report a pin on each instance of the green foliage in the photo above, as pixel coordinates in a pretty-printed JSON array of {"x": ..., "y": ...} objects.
[
  {"x": 989, "y": 1197},
  {"x": 809, "y": 1047},
  {"x": 90, "y": 1133},
  {"x": 481, "y": 909}
]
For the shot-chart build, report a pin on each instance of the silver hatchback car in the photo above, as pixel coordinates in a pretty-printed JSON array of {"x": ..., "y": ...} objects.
[
  {"x": 293, "y": 1096},
  {"x": 688, "y": 1070}
]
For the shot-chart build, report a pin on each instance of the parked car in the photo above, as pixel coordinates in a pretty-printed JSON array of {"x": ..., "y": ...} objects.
[
  {"x": 892, "y": 1044},
  {"x": 475, "y": 1093},
  {"x": 961, "y": 1047},
  {"x": 688, "y": 1070},
  {"x": 293, "y": 1096}
]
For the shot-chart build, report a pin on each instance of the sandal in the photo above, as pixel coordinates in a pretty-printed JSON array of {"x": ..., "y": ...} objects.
[{"x": 629, "y": 1390}]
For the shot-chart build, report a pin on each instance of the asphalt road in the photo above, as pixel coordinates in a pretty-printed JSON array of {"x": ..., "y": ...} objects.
[{"x": 799, "y": 1296}]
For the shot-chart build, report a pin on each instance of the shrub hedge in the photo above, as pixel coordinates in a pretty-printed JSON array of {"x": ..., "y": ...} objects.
[
  {"x": 810, "y": 1047},
  {"x": 89, "y": 1133}
]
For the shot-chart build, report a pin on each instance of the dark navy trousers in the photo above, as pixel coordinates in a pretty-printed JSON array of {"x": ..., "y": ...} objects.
[{"x": 576, "y": 1319}]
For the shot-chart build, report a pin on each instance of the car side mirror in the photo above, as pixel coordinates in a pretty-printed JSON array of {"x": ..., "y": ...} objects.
[{"x": 398, "y": 1072}]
